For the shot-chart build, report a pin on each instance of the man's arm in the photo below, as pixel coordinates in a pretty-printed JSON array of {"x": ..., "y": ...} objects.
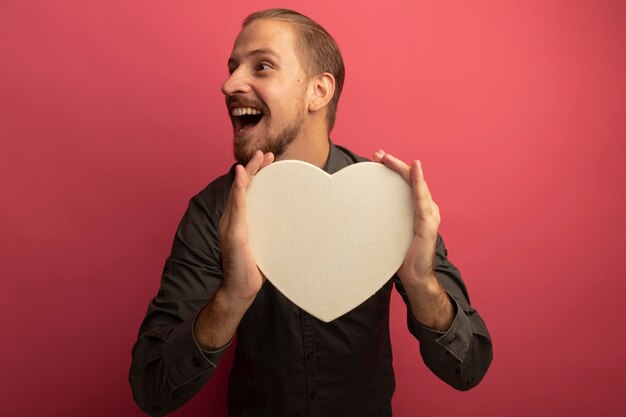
[
  {"x": 462, "y": 353},
  {"x": 191, "y": 321},
  {"x": 218, "y": 320},
  {"x": 168, "y": 366},
  {"x": 439, "y": 307}
]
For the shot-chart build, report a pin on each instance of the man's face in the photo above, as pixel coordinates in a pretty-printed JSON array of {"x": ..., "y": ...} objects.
[{"x": 266, "y": 90}]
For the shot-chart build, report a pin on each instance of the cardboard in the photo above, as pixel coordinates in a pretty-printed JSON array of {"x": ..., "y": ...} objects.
[{"x": 326, "y": 242}]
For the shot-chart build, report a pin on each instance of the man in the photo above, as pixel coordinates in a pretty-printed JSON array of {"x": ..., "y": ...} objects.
[{"x": 286, "y": 75}]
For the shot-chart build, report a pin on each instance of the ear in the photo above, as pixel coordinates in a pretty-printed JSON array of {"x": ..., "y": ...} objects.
[{"x": 321, "y": 90}]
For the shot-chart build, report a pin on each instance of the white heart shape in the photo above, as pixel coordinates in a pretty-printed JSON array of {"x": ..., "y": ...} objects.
[{"x": 326, "y": 242}]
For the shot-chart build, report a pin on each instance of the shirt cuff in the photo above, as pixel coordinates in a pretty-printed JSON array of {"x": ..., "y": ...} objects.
[
  {"x": 456, "y": 340},
  {"x": 213, "y": 356},
  {"x": 184, "y": 358}
]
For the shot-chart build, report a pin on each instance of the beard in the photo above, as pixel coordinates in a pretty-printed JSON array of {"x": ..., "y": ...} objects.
[{"x": 276, "y": 144}]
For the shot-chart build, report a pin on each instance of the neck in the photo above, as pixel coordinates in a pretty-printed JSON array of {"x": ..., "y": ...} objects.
[{"x": 313, "y": 148}]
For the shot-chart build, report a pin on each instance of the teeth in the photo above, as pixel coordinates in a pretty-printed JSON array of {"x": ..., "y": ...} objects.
[{"x": 240, "y": 111}]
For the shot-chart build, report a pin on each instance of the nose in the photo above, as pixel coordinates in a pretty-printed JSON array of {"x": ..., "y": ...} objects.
[{"x": 235, "y": 83}]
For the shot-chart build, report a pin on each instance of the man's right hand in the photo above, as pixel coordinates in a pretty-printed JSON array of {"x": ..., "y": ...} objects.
[
  {"x": 217, "y": 322},
  {"x": 242, "y": 278}
]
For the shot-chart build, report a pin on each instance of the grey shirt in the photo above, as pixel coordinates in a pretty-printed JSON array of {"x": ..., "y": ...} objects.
[{"x": 288, "y": 363}]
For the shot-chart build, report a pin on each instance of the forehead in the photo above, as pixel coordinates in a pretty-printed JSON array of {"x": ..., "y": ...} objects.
[{"x": 274, "y": 36}]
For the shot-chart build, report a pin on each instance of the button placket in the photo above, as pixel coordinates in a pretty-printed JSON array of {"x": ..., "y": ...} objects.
[{"x": 309, "y": 359}]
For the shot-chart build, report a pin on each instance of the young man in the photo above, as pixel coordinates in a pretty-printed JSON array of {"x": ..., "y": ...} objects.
[{"x": 286, "y": 75}]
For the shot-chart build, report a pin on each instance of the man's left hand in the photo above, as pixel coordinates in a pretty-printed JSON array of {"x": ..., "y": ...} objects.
[{"x": 429, "y": 302}]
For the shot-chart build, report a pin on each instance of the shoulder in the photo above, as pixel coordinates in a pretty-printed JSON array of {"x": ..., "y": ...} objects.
[
  {"x": 349, "y": 156},
  {"x": 212, "y": 199}
]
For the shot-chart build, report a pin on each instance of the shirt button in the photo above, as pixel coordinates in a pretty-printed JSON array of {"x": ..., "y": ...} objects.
[
  {"x": 313, "y": 394},
  {"x": 197, "y": 362},
  {"x": 470, "y": 380},
  {"x": 452, "y": 338},
  {"x": 309, "y": 356}
]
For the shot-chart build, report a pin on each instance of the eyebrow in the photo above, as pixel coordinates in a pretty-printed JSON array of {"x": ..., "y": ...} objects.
[{"x": 261, "y": 51}]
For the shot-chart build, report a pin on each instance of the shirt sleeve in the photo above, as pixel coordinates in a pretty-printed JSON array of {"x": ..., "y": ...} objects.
[
  {"x": 461, "y": 355},
  {"x": 168, "y": 366}
]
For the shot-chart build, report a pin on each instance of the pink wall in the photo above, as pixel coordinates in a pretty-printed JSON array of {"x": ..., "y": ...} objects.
[{"x": 111, "y": 119}]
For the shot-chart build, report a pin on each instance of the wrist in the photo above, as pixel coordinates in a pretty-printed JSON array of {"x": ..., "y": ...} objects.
[
  {"x": 217, "y": 322},
  {"x": 232, "y": 300},
  {"x": 430, "y": 303},
  {"x": 421, "y": 283}
]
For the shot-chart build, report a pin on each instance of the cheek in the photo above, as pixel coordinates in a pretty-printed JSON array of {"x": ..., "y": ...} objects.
[{"x": 284, "y": 98}]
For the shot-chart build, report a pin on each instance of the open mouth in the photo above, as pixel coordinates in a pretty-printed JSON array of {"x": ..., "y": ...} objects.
[{"x": 245, "y": 118}]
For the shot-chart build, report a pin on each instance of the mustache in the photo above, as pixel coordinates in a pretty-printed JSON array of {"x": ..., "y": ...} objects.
[{"x": 234, "y": 101}]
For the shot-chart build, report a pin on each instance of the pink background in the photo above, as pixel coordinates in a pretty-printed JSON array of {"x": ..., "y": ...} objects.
[{"x": 111, "y": 119}]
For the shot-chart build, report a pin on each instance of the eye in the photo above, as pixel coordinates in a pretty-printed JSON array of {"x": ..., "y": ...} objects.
[{"x": 263, "y": 66}]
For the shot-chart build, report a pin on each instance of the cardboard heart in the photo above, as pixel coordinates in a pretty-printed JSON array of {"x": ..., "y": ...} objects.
[{"x": 326, "y": 242}]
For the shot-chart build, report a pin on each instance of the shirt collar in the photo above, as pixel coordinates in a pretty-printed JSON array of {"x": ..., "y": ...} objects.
[{"x": 336, "y": 159}]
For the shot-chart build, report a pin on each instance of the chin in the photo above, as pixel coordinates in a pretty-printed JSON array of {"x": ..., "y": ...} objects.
[{"x": 244, "y": 148}]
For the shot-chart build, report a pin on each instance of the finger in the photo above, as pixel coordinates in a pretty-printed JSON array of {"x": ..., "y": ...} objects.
[
  {"x": 422, "y": 201},
  {"x": 225, "y": 219},
  {"x": 268, "y": 158},
  {"x": 239, "y": 195},
  {"x": 378, "y": 156},
  {"x": 398, "y": 166},
  {"x": 422, "y": 181},
  {"x": 252, "y": 167}
]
